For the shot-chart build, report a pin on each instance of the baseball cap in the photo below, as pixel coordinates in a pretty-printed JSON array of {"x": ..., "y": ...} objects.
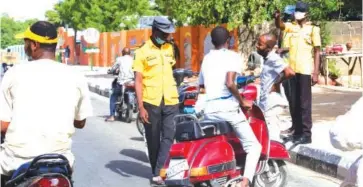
[
  {"x": 289, "y": 9},
  {"x": 301, "y": 7},
  {"x": 41, "y": 31},
  {"x": 163, "y": 24}
]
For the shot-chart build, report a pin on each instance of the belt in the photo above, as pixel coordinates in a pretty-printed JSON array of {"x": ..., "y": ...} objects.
[{"x": 220, "y": 98}]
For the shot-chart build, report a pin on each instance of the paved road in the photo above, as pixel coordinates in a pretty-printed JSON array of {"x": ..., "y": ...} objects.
[{"x": 112, "y": 155}]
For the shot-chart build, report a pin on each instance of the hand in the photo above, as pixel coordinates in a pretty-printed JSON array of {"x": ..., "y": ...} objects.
[
  {"x": 144, "y": 116},
  {"x": 280, "y": 51},
  {"x": 277, "y": 14},
  {"x": 246, "y": 104},
  {"x": 314, "y": 79}
]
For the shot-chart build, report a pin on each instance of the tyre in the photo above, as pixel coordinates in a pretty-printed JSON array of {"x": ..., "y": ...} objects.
[
  {"x": 276, "y": 176},
  {"x": 128, "y": 112},
  {"x": 140, "y": 125}
]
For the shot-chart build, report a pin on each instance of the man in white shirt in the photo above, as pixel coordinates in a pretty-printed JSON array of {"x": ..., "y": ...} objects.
[
  {"x": 223, "y": 101},
  {"x": 125, "y": 75},
  {"x": 41, "y": 102}
]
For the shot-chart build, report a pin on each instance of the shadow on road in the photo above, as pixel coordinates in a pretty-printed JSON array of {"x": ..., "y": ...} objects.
[
  {"x": 129, "y": 168},
  {"x": 135, "y": 154},
  {"x": 140, "y": 139}
]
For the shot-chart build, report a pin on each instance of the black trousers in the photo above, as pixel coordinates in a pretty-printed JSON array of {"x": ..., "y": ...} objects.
[
  {"x": 160, "y": 133},
  {"x": 298, "y": 93}
]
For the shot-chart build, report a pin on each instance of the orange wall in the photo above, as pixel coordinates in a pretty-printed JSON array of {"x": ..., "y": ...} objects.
[{"x": 190, "y": 41}]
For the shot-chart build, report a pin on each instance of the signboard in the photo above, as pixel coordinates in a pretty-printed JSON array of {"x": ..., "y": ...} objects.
[
  {"x": 92, "y": 50},
  {"x": 91, "y": 35}
]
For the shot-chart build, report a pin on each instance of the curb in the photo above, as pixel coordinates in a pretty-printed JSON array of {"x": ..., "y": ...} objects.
[
  {"x": 337, "y": 88},
  {"x": 315, "y": 159}
]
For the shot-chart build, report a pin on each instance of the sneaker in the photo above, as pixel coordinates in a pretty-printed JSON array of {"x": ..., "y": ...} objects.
[{"x": 110, "y": 119}]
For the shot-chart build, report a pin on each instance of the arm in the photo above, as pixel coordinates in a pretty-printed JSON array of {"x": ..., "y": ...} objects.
[
  {"x": 6, "y": 102},
  {"x": 201, "y": 81},
  {"x": 232, "y": 87},
  {"x": 316, "y": 39},
  {"x": 138, "y": 89},
  {"x": 278, "y": 21},
  {"x": 138, "y": 68},
  {"x": 84, "y": 106}
]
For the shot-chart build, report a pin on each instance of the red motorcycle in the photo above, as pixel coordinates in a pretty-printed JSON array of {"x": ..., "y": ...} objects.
[{"x": 208, "y": 153}]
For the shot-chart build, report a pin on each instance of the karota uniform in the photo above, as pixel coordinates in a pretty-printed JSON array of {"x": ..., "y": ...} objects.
[{"x": 160, "y": 97}]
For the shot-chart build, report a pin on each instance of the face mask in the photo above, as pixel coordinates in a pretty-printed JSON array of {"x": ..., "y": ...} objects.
[
  {"x": 299, "y": 15},
  {"x": 159, "y": 41}
]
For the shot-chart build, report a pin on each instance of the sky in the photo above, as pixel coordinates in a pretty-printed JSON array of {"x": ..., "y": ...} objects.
[{"x": 26, "y": 9}]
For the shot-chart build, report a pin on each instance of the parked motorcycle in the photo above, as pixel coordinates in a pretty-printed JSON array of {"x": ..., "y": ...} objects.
[
  {"x": 208, "y": 153},
  {"x": 188, "y": 94},
  {"x": 48, "y": 170},
  {"x": 126, "y": 105}
]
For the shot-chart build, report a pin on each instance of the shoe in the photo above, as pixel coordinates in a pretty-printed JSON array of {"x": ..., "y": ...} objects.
[
  {"x": 110, "y": 119},
  {"x": 157, "y": 181},
  {"x": 302, "y": 139},
  {"x": 288, "y": 132}
]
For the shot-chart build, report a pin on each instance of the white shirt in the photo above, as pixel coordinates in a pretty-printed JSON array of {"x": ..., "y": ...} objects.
[
  {"x": 41, "y": 99},
  {"x": 216, "y": 64},
  {"x": 272, "y": 68},
  {"x": 126, "y": 74}
]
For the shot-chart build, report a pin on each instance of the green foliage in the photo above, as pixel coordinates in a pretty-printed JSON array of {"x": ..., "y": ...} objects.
[
  {"x": 53, "y": 17},
  {"x": 103, "y": 15},
  {"x": 11, "y": 27},
  {"x": 334, "y": 72}
]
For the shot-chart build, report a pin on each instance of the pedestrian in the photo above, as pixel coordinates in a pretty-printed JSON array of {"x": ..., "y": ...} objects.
[
  {"x": 274, "y": 72},
  {"x": 157, "y": 93},
  {"x": 67, "y": 54},
  {"x": 125, "y": 74},
  {"x": 304, "y": 58}
]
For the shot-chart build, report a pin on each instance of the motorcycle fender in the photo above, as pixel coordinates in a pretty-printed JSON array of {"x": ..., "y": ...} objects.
[
  {"x": 278, "y": 151},
  {"x": 214, "y": 154}
]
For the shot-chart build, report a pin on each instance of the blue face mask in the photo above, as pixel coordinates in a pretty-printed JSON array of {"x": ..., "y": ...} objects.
[{"x": 159, "y": 41}]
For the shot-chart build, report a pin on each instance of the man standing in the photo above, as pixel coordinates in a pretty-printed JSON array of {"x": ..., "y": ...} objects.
[
  {"x": 223, "y": 101},
  {"x": 156, "y": 93},
  {"x": 67, "y": 54},
  {"x": 304, "y": 58},
  {"x": 41, "y": 102},
  {"x": 274, "y": 72},
  {"x": 125, "y": 74}
]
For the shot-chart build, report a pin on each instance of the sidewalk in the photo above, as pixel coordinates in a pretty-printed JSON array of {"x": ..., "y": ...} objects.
[{"x": 319, "y": 156}]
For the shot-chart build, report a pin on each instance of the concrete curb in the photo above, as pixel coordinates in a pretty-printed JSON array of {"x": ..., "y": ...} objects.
[
  {"x": 309, "y": 156},
  {"x": 337, "y": 88}
]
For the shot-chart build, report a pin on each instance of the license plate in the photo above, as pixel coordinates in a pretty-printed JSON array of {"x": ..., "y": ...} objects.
[{"x": 177, "y": 168}]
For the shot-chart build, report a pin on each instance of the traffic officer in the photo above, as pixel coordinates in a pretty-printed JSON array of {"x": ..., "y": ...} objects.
[{"x": 157, "y": 93}]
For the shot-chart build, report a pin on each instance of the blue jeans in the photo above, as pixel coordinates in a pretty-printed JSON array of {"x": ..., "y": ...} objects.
[{"x": 116, "y": 91}]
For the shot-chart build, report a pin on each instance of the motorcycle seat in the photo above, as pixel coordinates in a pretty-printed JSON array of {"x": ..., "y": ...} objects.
[
  {"x": 43, "y": 168},
  {"x": 188, "y": 130},
  {"x": 211, "y": 128}
]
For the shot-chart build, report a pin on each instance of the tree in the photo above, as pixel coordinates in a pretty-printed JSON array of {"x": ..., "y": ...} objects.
[
  {"x": 244, "y": 15},
  {"x": 53, "y": 17},
  {"x": 11, "y": 27},
  {"x": 104, "y": 15}
]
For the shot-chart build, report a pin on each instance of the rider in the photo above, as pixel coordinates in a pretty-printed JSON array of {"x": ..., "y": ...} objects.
[
  {"x": 41, "y": 102},
  {"x": 223, "y": 101},
  {"x": 125, "y": 75},
  {"x": 274, "y": 72}
]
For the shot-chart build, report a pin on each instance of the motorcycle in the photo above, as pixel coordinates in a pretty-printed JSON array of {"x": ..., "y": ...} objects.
[
  {"x": 188, "y": 94},
  {"x": 126, "y": 105},
  {"x": 208, "y": 153},
  {"x": 48, "y": 170}
]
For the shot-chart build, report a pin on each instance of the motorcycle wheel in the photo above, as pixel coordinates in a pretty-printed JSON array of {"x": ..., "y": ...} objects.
[
  {"x": 139, "y": 125},
  {"x": 276, "y": 176},
  {"x": 127, "y": 113}
]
